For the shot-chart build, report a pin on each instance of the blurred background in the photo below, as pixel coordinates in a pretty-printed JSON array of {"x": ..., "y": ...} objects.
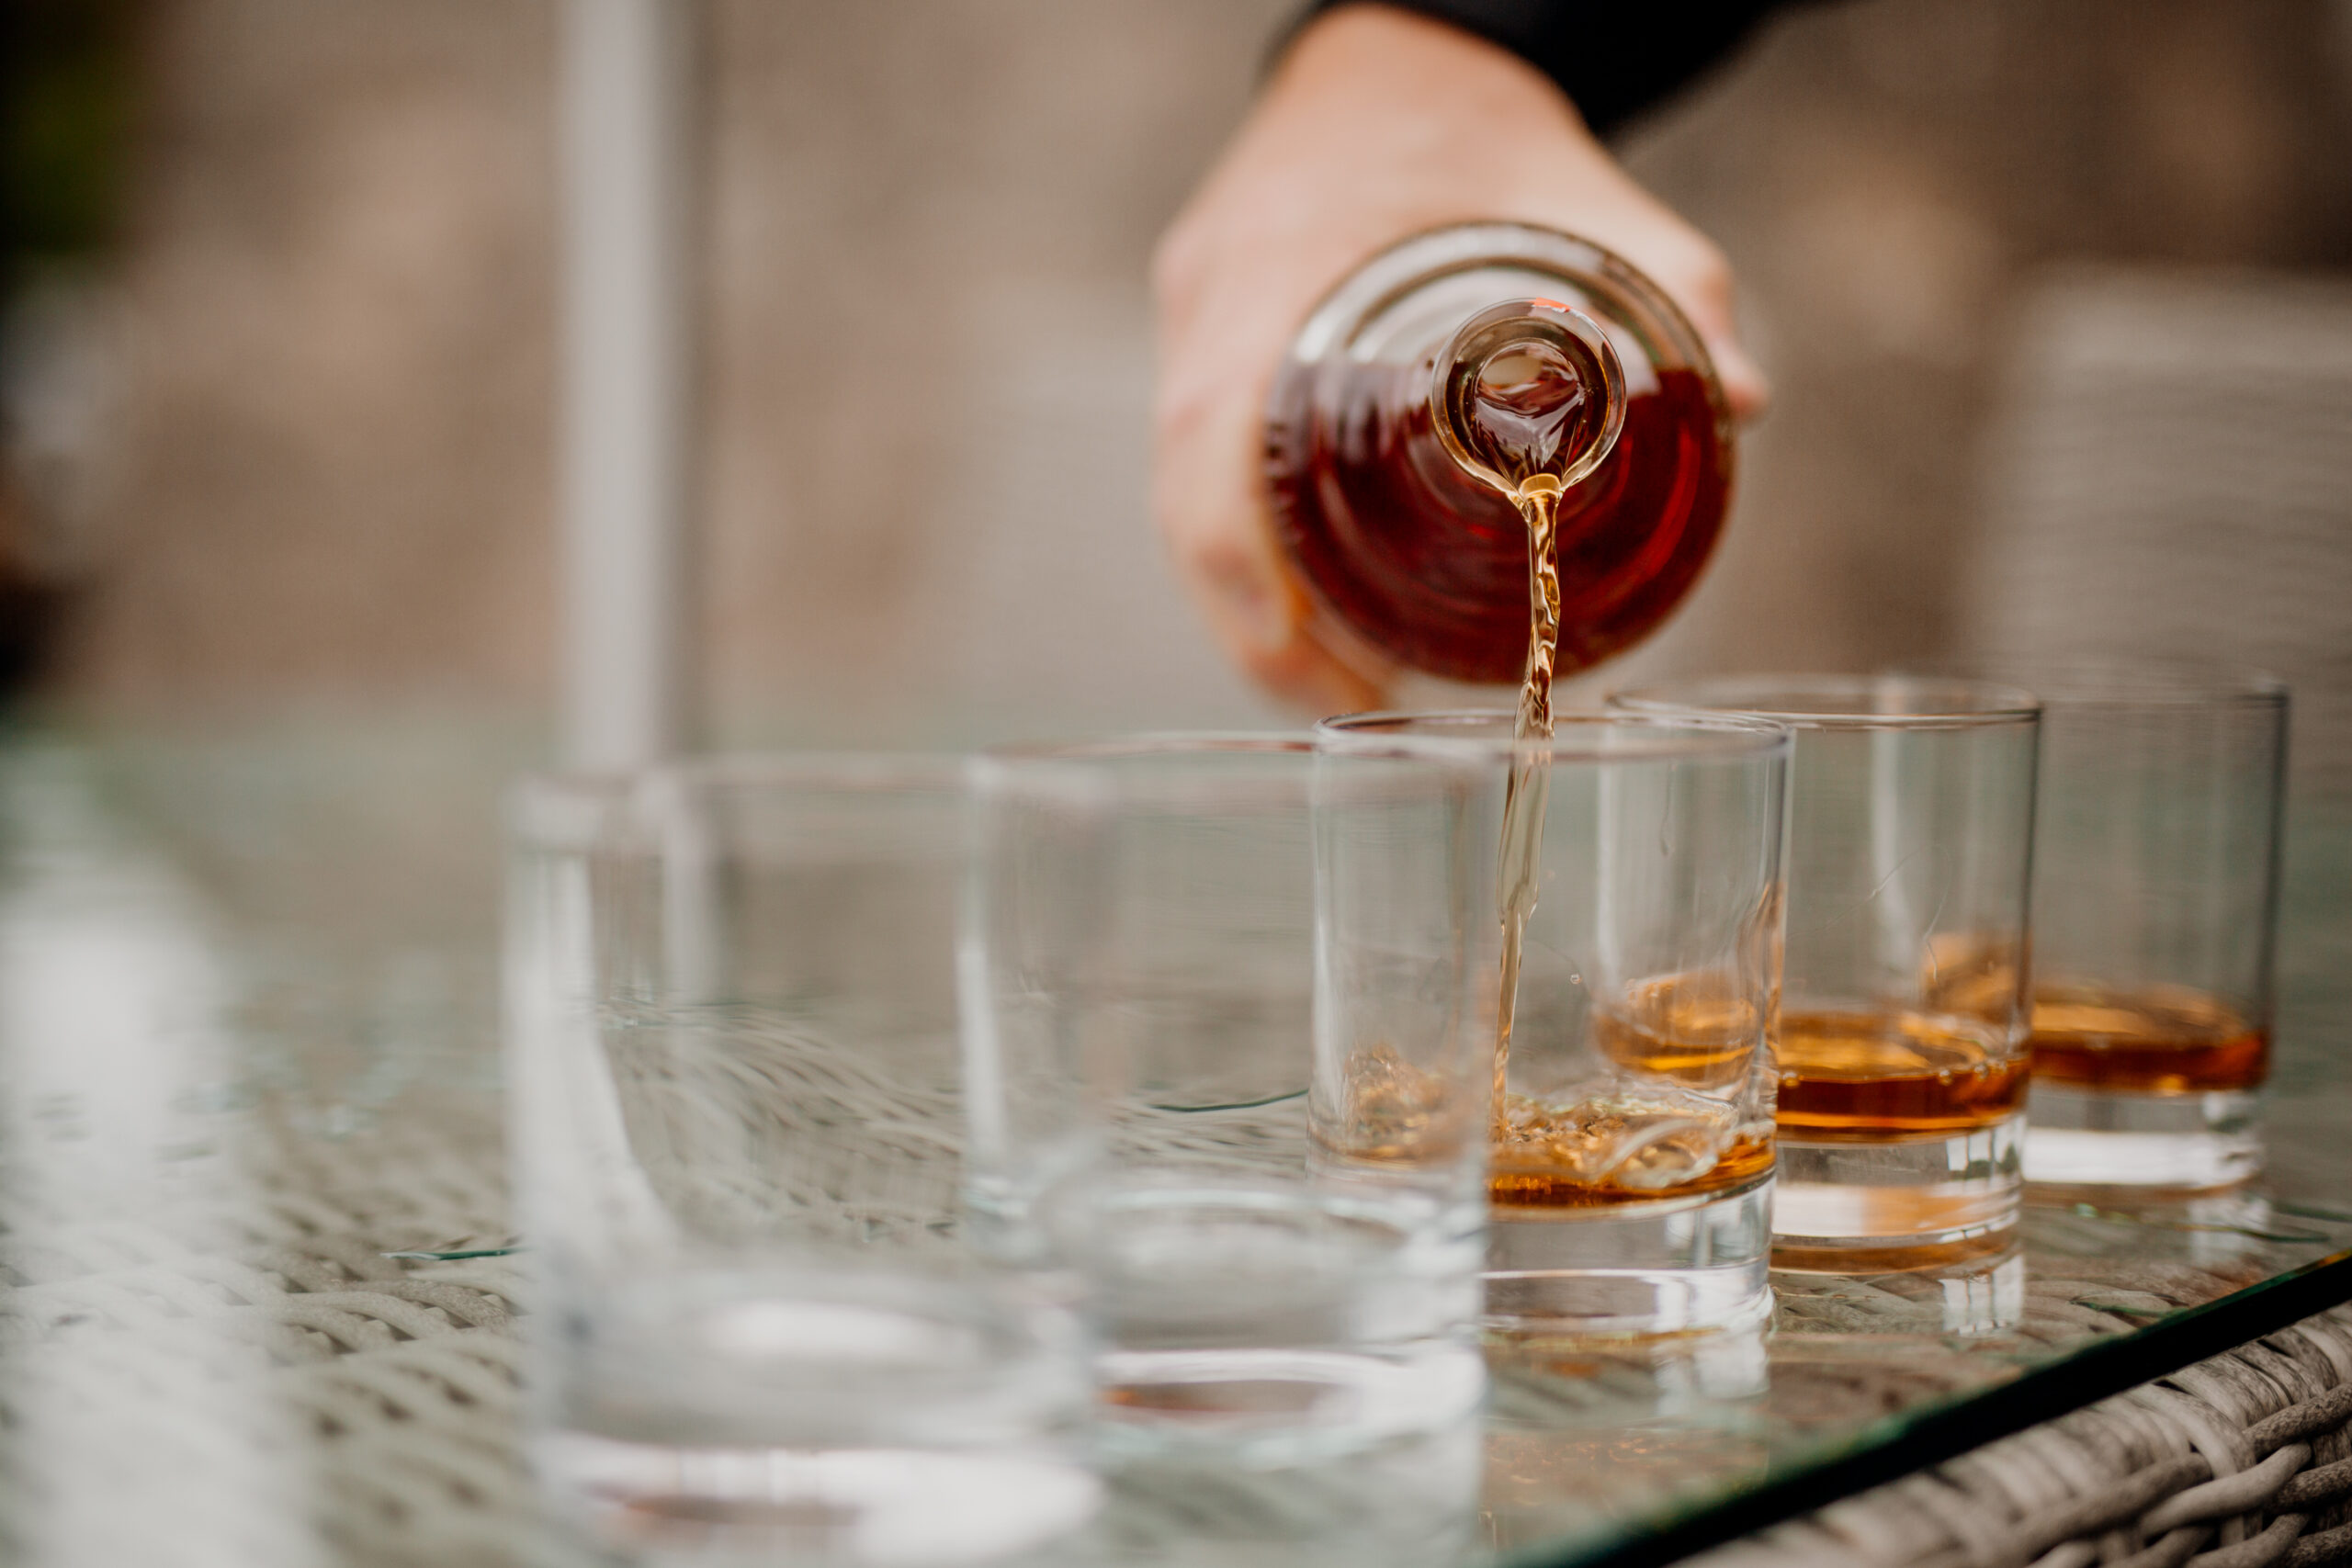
[{"x": 2057, "y": 298}]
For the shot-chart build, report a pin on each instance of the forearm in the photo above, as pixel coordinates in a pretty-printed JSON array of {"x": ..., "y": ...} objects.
[{"x": 1613, "y": 58}]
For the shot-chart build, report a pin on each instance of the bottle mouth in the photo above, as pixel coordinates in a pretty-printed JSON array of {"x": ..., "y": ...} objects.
[{"x": 1528, "y": 397}]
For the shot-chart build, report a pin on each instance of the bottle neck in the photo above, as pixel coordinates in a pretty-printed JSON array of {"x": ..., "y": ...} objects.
[{"x": 1528, "y": 397}]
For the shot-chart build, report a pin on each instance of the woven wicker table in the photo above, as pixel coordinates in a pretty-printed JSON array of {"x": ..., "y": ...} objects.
[
  {"x": 257, "y": 1309},
  {"x": 2239, "y": 1461}
]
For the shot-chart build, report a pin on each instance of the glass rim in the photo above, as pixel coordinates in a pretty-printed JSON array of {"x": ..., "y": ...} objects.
[
  {"x": 1151, "y": 743},
  {"x": 2115, "y": 680},
  {"x": 558, "y": 808},
  {"x": 1813, "y": 701},
  {"x": 1683, "y": 736},
  {"x": 1115, "y": 773}
]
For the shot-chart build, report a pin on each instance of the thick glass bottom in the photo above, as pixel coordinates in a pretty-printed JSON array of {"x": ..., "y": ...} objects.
[
  {"x": 1632, "y": 1268},
  {"x": 1283, "y": 1406},
  {"x": 1280, "y": 1322},
  {"x": 1851, "y": 1208},
  {"x": 713, "y": 1506},
  {"x": 785, "y": 1412},
  {"x": 2152, "y": 1142}
]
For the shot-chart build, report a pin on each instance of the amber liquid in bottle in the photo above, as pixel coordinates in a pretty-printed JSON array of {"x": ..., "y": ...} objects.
[
  {"x": 1871, "y": 1076},
  {"x": 2162, "y": 1039},
  {"x": 1413, "y": 554}
]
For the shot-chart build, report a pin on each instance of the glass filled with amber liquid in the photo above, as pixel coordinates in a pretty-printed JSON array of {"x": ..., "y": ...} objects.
[
  {"x": 1901, "y": 1045},
  {"x": 1627, "y": 994},
  {"x": 2156, "y": 891}
]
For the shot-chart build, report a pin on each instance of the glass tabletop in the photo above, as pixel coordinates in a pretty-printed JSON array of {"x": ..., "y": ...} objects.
[{"x": 253, "y": 1231}]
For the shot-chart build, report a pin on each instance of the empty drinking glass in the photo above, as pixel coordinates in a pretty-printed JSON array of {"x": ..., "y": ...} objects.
[
  {"x": 1630, "y": 1102},
  {"x": 738, "y": 1129},
  {"x": 1276, "y": 1221}
]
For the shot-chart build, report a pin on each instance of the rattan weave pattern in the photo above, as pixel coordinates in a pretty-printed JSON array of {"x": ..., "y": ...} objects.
[
  {"x": 286, "y": 1394},
  {"x": 2243, "y": 1461},
  {"x": 392, "y": 1395}
]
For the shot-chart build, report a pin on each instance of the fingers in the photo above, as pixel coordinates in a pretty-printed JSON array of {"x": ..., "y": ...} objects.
[
  {"x": 1744, "y": 387},
  {"x": 1212, "y": 515},
  {"x": 1705, "y": 296},
  {"x": 1697, "y": 276},
  {"x": 1262, "y": 622},
  {"x": 1222, "y": 331}
]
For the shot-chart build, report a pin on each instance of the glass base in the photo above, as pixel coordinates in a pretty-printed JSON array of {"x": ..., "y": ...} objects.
[
  {"x": 1277, "y": 1322},
  {"x": 1281, "y": 1406},
  {"x": 1855, "y": 1208},
  {"x": 2178, "y": 1143},
  {"x": 862, "y": 1507},
  {"x": 1969, "y": 1296},
  {"x": 1659, "y": 1268},
  {"x": 808, "y": 1409}
]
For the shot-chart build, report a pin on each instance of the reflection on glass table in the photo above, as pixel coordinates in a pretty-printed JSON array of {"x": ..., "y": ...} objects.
[{"x": 248, "y": 1034}]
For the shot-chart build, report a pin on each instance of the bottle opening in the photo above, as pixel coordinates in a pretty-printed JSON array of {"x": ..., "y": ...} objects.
[{"x": 1528, "y": 396}]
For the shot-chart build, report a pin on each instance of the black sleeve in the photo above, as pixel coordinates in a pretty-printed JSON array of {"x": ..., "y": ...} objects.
[{"x": 1613, "y": 58}]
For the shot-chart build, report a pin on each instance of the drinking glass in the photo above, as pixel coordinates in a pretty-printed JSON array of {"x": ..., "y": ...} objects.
[
  {"x": 1276, "y": 1221},
  {"x": 1901, "y": 1045},
  {"x": 2155, "y": 912},
  {"x": 1630, "y": 1100},
  {"x": 738, "y": 1129}
]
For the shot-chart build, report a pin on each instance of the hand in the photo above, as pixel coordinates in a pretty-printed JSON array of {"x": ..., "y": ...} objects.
[{"x": 1377, "y": 124}]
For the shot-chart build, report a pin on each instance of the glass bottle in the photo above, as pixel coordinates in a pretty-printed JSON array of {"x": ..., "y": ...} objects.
[{"x": 1438, "y": 382}]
